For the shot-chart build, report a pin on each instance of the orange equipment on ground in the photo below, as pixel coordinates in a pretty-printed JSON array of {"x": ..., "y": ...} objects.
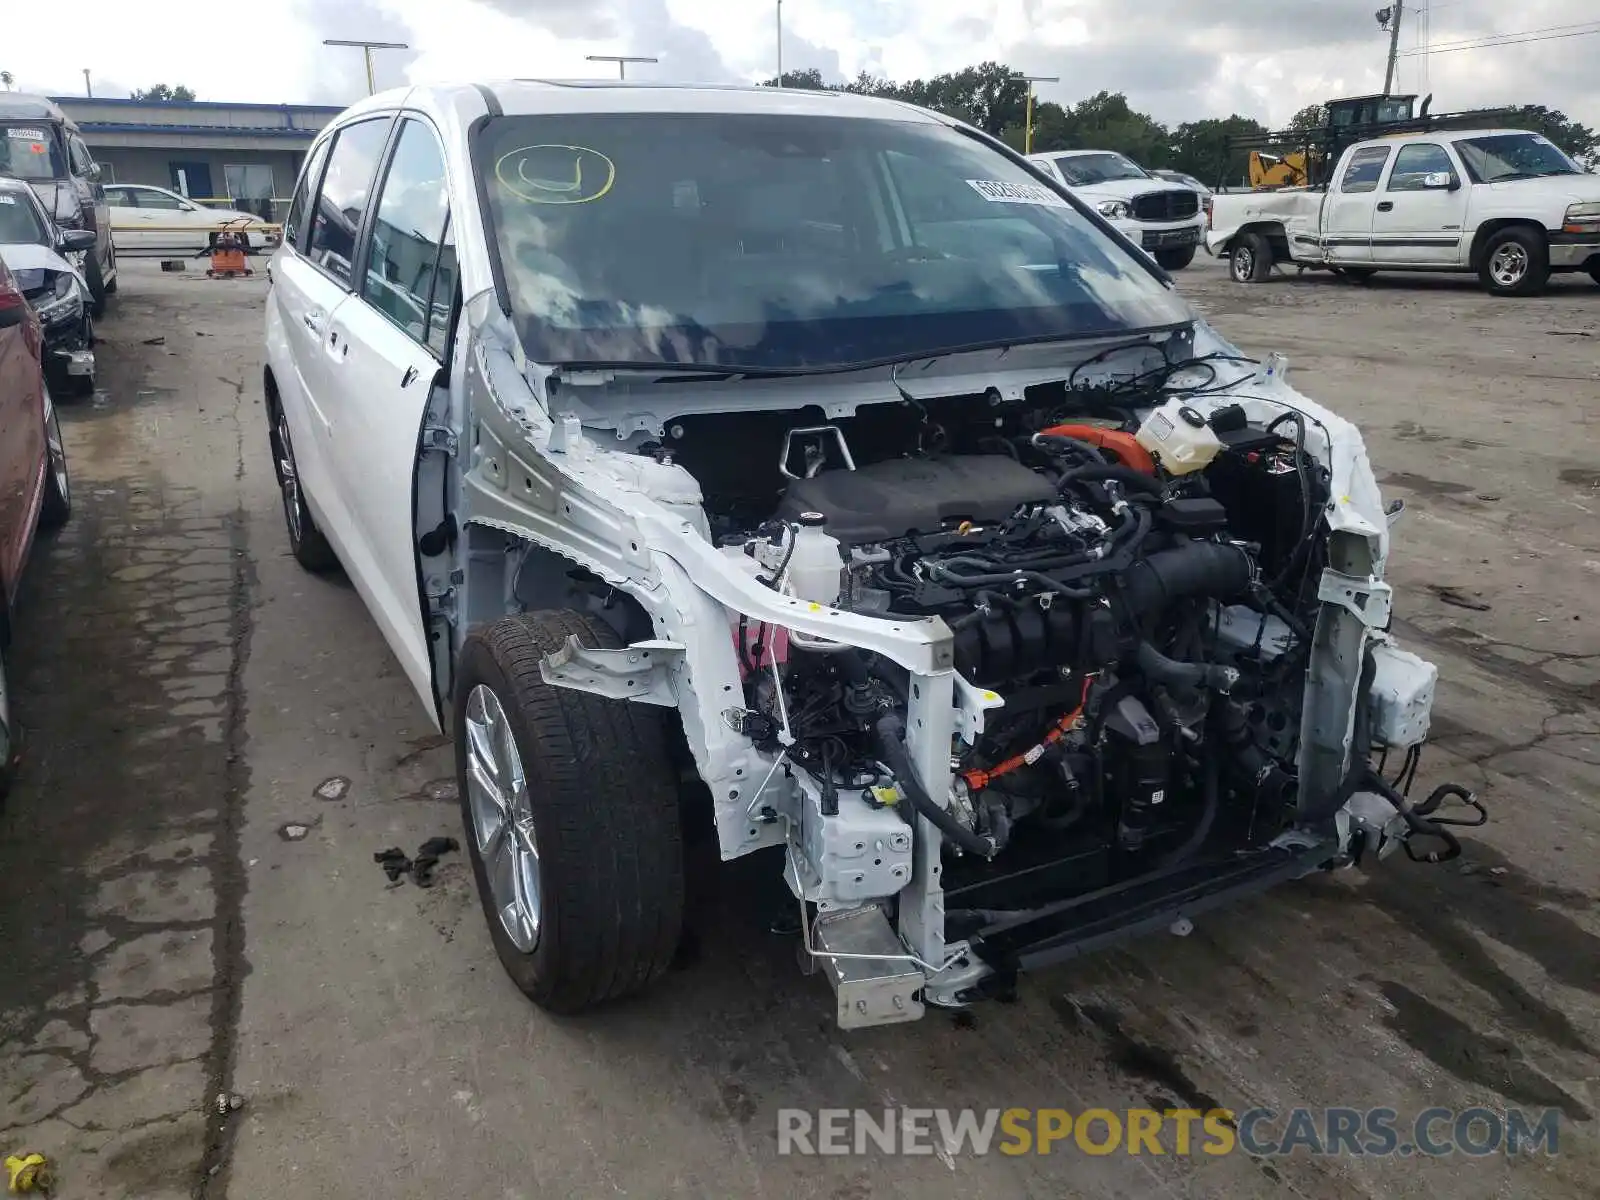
[{"x": 227, "y": 256}]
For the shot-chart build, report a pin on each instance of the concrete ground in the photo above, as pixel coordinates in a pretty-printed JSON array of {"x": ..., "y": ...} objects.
[{"x": 217, "y": 744}]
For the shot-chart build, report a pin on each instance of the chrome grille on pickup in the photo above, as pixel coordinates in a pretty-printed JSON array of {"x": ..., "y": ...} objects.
[{"x": 1172, "y": 205}]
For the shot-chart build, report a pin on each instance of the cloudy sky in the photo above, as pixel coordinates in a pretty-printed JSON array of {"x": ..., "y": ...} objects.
[{"x": 1177, "y": 59}]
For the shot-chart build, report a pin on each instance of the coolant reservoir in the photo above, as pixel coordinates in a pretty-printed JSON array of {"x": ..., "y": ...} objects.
[
  {"x": 1178, "y": 436},
  {"x": 815, "y": 565}
]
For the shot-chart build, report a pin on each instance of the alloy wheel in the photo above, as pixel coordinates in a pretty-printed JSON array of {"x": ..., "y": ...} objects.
[
  {"x": 502, "y": 819},
  {"x": 1509, "y": 264},
  {"x": 288, "y": 478}
]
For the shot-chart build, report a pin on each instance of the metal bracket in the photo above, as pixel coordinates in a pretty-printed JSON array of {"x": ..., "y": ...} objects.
[
  {"x": 641, "y": 671},
  {"x": 1367, "y": 599},
  {"x": 972, "y": 703},
  {"x": 437, "y": 437}
]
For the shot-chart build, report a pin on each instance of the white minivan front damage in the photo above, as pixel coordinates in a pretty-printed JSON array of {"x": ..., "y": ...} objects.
[{"x": 549, "y": 479}]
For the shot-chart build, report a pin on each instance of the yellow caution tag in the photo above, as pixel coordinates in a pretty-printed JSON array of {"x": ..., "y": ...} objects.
[{"x": 886, "y": 796}]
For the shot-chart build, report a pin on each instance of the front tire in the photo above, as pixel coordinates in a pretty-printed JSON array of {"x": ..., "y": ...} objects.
[
  {"x": 1516, "y": 262},
  {"x": 1359, "y": 274},
  {"x": 1251, "y": 259},
  {"x": 1175, "y": 260},
  {"x": 306, "y": 542},
  {"x": 571, "y": 811},
  {"x": 94, "y": 276},
  {"x": 1594, "y": 272}
]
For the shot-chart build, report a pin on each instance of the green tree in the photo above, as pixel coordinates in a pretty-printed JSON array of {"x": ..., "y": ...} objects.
[
  {"x": 1201, "y": 148},
  {"x": 7, "y": 78},
  {"x": 1312, "y": 116},
  {"x": 163, "y": 93}
]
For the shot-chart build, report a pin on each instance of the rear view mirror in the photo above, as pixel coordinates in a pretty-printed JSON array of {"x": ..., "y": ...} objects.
[
  {"x": 1440, "y": 181},
  {"x": 76, "y": 239}
]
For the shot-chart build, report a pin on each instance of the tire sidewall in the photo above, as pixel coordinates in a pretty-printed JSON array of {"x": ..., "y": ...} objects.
[{"x": 529, "y": 970}]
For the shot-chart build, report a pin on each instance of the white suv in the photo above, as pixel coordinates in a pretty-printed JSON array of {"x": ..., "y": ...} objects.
[
  {"x": 810, "y": 448},
  {"x": 1164, "y": 218}
]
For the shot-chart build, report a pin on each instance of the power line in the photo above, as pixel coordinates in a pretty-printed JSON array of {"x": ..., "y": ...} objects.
[{"x": 1508, "y": 39}]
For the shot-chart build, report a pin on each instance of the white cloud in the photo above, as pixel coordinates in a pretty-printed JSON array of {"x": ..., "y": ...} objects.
[{"x": 1173, "y": 58}]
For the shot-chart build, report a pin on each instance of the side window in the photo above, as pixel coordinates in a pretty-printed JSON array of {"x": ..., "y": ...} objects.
[
  {"x": 1415, "y": 163},
  {"x": 119, "y": 197},
  {"x": 310, "y": 180},
  {"x": 405, "y": 263},
  {"x": 345, "y": 196},
  {"x": 1365, "y": 169},
  {"x": 78, "y": 154},
  {"x": 151, "y": 198}
]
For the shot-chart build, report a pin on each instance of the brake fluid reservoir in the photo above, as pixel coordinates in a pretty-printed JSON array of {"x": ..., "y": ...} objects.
[
  {"x": 816, "y": 563},
  {"x": 1178, "y": 436}
]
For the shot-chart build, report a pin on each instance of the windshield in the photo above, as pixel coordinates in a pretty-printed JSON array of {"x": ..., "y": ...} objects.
[
  {"x": 788, "y": 242},
  {"x": 19, "y": 222},
  {"x": 1081, "y": 170},
  {"x": 1513, "y": 156},
  {"x": 29, "y": 151}
]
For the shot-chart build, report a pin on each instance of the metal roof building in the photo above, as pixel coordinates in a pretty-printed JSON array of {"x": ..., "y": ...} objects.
[{"x": 248, "y": 154}]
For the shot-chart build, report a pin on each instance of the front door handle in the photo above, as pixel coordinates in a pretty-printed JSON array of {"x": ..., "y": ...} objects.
[
  {"x": 313, "y": 322},
  {"x": 409, "y": 377},
  {"x": 1385, "y": 205}
]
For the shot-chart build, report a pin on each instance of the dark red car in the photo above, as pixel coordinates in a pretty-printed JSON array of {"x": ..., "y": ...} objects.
[{"x": 35, "y": 492}]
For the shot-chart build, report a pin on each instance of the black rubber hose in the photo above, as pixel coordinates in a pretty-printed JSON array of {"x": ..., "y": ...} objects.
[
  {"x": 1162, "y": 669},
  {"x": 1211, "y": 569},
  {"x": 1212, "y": 791},
  {"x": 1100, "y": 472},
  {"x": 890, "y": 734}
]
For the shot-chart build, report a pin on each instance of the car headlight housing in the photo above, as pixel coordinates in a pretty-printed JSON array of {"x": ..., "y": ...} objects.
[
  {"x": 1582, "y": 218},
  {"x": 64, "y": 302},
  {"x": 1116, "y": 210}
]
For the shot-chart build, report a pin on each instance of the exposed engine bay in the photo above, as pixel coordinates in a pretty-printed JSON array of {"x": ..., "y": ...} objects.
[{"x": 1134, "y": 578}]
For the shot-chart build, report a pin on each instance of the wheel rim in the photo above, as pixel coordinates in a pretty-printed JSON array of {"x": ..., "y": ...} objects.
[
  {"x": 502, "y": 819},
  {"x": 288, "y": 479},
  {"x": 57, "y": 452},
  {"x": 1244, "y": 262},
  {"x": 1509, "y": 264}
]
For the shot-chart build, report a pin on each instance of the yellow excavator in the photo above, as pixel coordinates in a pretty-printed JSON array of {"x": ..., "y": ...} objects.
[{"x": 1277, "y": 170}]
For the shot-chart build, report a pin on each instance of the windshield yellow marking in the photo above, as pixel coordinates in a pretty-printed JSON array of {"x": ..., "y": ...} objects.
[{"x": 539, "y": 174}]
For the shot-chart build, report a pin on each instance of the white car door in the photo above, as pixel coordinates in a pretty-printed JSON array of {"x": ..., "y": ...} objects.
[
  {"x": 1421, "y": 210},
  {"x": 393, "y": 339},
  {"x": 122, "y": 206},
  {"x": 1351, "y": 205},
  {"x": 164, "y": 220},
  {"x": 310, "y": 283}
]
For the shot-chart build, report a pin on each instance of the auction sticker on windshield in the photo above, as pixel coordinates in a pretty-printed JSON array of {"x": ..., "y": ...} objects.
[
  {"x": 26, "y": 135},
  {"x": 996, "y": 192}
]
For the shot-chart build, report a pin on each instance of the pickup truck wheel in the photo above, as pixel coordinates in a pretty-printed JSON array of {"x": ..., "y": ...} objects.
[
  {"x": 571, "y": 811},
  {"x": 1251, "y": 260},
  {"x": 95, "y": 278},
  {"x": 1358, "y": 274},
  {"x": 1516, "y": 262},
  {"x": 1175, "y": 260},
  {"x": 1594, "y": 273},
  {"x": 306, "y": 542}
]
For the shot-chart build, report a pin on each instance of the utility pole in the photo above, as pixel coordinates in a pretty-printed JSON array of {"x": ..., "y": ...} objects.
[
  {"x": 780, "y": 43},
  {"x": 622, "y": 61},
  {"x": 87, "y": 86},
  {"x": 1027, "y": 134},
  {"x": 1395, "y": 13},
  {"x": 366, "y": 50}
]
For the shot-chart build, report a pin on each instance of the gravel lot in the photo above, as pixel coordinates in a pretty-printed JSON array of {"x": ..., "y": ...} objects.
[{"x": 217, "y": 744}]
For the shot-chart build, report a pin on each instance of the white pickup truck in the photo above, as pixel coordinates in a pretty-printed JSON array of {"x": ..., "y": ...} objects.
[
  {"x": 1504, "y": 203},
  {"x": 1162, "y": 218}
]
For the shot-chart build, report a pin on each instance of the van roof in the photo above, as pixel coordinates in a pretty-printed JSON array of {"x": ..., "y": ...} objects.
[{"x": 37, "y": 108}]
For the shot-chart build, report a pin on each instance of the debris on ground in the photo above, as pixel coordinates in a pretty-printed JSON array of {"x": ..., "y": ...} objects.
[
  {"x": 228, "y": 1102},
  {"x": 428, "y": 855},
  {"x": 28, "y": 1173},
  {"x": 395, "y": 862},
  {"x": 1446, "y": 594},
  {"x": 294, "y": 831},
  {"x": 159, "y": 340}
]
